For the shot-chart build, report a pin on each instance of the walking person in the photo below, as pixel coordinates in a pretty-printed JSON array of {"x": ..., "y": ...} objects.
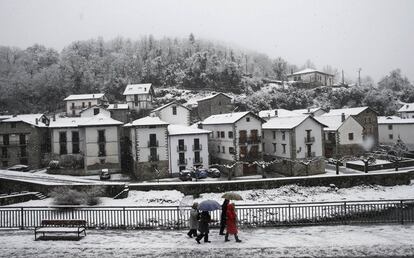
[
  {"x": 231, "y": 223},
  {"x": 203, "y": 227},
  {"x": 193, "y": 220},
  {"x": 223, "y": 217}
]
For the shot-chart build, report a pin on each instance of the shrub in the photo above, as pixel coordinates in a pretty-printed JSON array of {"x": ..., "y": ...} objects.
[
  {"x": 68, "y": 196},
  {"x": 54, "y": 164}
]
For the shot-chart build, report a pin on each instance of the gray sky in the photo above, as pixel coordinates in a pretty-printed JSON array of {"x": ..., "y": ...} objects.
[{"x": 376, "y": 35}]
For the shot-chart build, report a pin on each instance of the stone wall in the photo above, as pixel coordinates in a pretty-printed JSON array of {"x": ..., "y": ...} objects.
[{"x": 294, "y": 168}]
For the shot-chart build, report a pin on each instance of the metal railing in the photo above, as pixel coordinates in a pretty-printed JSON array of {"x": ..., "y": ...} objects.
[
  {"x": 197, "y": 147},
  {"x": 181, "y": 148},
  {"x": 176, "y": 217},
  {"x": 181, "y": 162}
]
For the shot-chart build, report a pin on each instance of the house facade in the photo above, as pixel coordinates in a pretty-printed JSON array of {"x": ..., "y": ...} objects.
[
  {"x": 24, "y": 139},
  {"x": 76, "y": 103},
  {"x": 149, "y": 143},
  {"x": 312, "y": 78},
  {"x": 173, "y": 113},
  {"x": 85, "y": 145},
  {"x": 187, "y": 148},
  {"x": 139, "y": 97},
  {"x": 93, "y": 111},
  {"x": 393, "y": 129},
  {"x": 119, "y": 111},
  {"x": 235, "y": 138},
  {"x": 294, "y": 138},
  {"x": 219, "y": 103},
  {"x": 406, "y": 111}
]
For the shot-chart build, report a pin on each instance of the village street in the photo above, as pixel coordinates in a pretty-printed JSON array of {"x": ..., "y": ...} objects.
[{"x": 312, "y": 241}]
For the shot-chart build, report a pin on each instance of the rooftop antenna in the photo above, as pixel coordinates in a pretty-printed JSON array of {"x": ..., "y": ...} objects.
[{"x": 234, "y": 110}]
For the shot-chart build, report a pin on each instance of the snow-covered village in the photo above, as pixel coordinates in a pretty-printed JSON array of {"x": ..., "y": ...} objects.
[{"x": 206, "y": 128}]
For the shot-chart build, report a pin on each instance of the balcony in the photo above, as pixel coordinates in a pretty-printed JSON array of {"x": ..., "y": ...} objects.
[
  {"x": 153, "y": 158},
  {"x": 153, "y": 144},
  {"x": 197, "y": 147},
  {"x": 181, "y": 148},
  {"x": 181, "y": 162},
  {"x": 309, "y": 140},
  {"x": 254, "y": 139},
  {"x": 198, "y": 161},
  {"x": 14, "y": 143},
  {"x": 243, "y": 140}
]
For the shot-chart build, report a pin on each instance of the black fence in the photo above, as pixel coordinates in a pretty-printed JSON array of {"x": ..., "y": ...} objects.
[{"x": 175, "y": 217}]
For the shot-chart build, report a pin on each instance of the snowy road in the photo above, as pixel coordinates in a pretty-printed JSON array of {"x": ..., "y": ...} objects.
[{"x": 317, "y": 241}]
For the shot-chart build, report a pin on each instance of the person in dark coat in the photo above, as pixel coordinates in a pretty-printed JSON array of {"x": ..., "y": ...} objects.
[
  {"x": 193, "y": 220},
  {"x": 203, "y": 226},
  {"x": 231, "y": 223},
  {"x": 223, "y": 216}
]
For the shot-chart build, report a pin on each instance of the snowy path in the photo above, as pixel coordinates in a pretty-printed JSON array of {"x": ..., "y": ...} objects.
[{"x": 317, "y": 241}]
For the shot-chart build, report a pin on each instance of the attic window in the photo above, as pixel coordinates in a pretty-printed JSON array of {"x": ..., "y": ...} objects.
[
  {"x": 174, "y": 110},
  {"x": 145, "y": 89},
  {"x": 247, "y": 119}
]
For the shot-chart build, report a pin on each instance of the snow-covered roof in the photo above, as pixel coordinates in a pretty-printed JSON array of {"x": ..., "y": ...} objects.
[
  {"x": 92, "y": 107},
  {"x": 306, "y": 110},
  {"x": 84, "y": 96},
  {"x": 308, "y": 70},
  {"x": 3, "y": 117},
  {"x": 214, "y": 95},
  {"x": 132, "y": 89},
  {"x": 332, "y": 122},
  {"x": 168, "y": 104},
  {"x": 346, "y": 111},
  {"x": 287, "y": 122},
  {"x": 228, "y": 118},
  {"x": 408, "y": 107},
  {"x": 394, "y": 120},
  {"x": 98, "y": 120},
  {"x": 118, "y": 106},
  {"x": 280, "y": 113},
  {"x": 27, "y": 118},
  {"x": 182, "y": 130},
  {"x": 148, "y": 120}
]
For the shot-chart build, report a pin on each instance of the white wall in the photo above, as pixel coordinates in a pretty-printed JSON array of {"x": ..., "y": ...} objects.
[
  {"x": 215, "y": 142},
  {"x": 278, "y": 140},
  {"x": 182, "y": 117},
  {"x": 350, "y": 125},
  {"x": 142, "y": 137},
  {"x": 90, "y": 112},
  {"x": 189, "y": 153},
  {"x": 92, "y": 147},
  {"x": 79, "y": 105},
  {"x": 253, "y": 124},
  {"x": 300, "y": 135},
  {"x": 55, "y": 140},
  {"x": 404, "y": 131}
]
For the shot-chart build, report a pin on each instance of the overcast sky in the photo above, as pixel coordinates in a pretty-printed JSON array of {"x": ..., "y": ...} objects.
[{"x": 377, "y": 36}]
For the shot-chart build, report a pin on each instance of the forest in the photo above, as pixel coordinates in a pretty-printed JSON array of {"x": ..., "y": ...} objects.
[{"x": 37, "y": 79}]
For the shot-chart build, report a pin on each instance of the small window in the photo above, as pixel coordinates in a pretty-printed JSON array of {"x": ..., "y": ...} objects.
[
  {"x": 218, "y": 149},
  {"x": 274, "y": 134},
  {"x": 350, "y": 136},
  {"x": 222, "y": 135},
  {"x": 223, "y": 149},
  {"x": 231, "y": 150},
  {"x": 389, "y": 127},
  {"x": 95, "y": 111},
  {"x": 83, "y": 104},
  {"x": 284, "y": 148},
  {"x": 274, "y": 147},
  {"x": 230, "y": 135},
  {"x": 391, "y": 136},
  {"x": 218, "y": 134},
  {"x": 283, "y": 136},
  {"x": 247, "y": 119},
  {"x": 174, "y": 110},
  {"x": 73, "y": 112},
  {"x": 89, "y": 104}
]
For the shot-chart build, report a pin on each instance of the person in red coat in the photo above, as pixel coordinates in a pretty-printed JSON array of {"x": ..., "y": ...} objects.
[{"x": 231, "y": 223}]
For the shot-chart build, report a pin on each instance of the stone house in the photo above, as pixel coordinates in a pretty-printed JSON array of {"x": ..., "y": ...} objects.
[
  {"x": 294, "y": 139},
  {"x": 76, "y": 103},
  {"x": 149, "y": 147},
  {"x": 219, "y": 103},
  {"x": 235, "y": 138},
  {"x": 311, "y": 78},
  {"x": 173, "y": 113},
  {"x": 187, "y": 148},
  {"x": 24, "y": 139},
  {"x": 139, "y": 97},
  {"x": 393, "y": 129},
  {"x": 85, "y": 145}
]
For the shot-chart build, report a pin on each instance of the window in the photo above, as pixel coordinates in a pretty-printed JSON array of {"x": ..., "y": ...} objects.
[
  {"x": 73, "y": 105},
  {"x": 101, "y": 136},
  {"x": 73, "y": 112},
  {"x": 75, "y": 142},
  {"x": 389, "y": 127},
  {"x": 23, "y": 151},
  {"x": 153, "y": 140},
  {"x": 218, "y": 149},
  {"x": 136, "y": 100},
  {"x": 62, "y": 143},
  {"x": 6, "y": 139},
  {"x": 390, "y": 136},
  {"x": 274, "y": 134},
  {"x": 95, "y": 111},
  {"x": 230, "y": 135},
  {"x": 89, "y": 104},
  {"x": 222, "y": 135},
  {"x": 274, "y": 147},
  {"x": 231, "y": 150},
  {"x": 218, "y": 134},
  {"x": 13, "y": 125},
  {"x": 197, "y": 157},
  {"x": 350, "y": 136},
  {"x": 247, "y": 119},
  {"x": 153, "y": 154},
  {"x": 22, "y": 139},
  {"x": 181, "y": 145},
  {"x": 4, "y": 152},
  {"x": 283, "y": 136},
  {"x": 102, "y": 149},
  {"x": 224, "y": 150},
  {"x": 174, "y": 110},
  {"x": 83, "y": 104},
  {"x": 284, "y": 148},
  {"x": 197, "y": 145}
]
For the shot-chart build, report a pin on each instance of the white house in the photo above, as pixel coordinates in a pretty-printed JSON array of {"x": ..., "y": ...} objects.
[
  {"x": 90, "y": 142},
  {"x": 312, "y": 77},
  {"x": 406, "y": 111},
  {"x": 93, "y": 111},
  {"x": 343, "y": 136},
  {"x": 271, "y": 113},
  {"x": 295, "y": 138},
  {"x": 235, "y": 137},
  {"x": 392, "y": 128},
  {"x": 187, "y": 148},
  {"x": 78, "y": 102},
  {"x": 173, "y": 113},
  {"x": 149, "y": 137},
  {"x": 139, "y": 96}
]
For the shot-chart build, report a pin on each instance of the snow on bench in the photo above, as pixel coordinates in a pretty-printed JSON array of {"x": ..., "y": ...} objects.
[{"x": 61, "y": 226}]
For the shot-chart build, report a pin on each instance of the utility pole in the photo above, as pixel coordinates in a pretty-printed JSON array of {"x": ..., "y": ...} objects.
[
  {"x": 359, "y": 76},
  {"x": 343, "y": 80},
  {"x": 246, "y": 63}
]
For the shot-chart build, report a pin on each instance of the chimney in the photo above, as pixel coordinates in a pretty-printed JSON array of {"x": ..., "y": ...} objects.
[
  {"x": 276, "y": 113},
  {"x": 145, "y": 89},
  {"x": 37, "y": 121},
  {"x": 308, "y": 110},
  {"x": 342, "y": 117},
  {"x": 93, "y": 95}
]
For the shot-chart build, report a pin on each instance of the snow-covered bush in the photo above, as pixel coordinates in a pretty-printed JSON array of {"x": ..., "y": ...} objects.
[{"x": 68, "y": 196}]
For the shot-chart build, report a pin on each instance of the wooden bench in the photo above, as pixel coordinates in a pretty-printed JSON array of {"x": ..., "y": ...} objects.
[{"x": 61, "y": 227}]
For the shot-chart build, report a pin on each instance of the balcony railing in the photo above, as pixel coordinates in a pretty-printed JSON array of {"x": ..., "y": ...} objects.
[
  {"x": 197, "y": 147},
  {"x": 254, "y": 139},
  {"x": 182, "y": 162},
  {"x": 153, "y": 158},
  {"x": 14, "y": 143},
  {"x": 198, "y": 161},
  {"x": 309, "y": 140},
  {"x": 153, "y": 144},
  {"x": 181, "y": 148}
]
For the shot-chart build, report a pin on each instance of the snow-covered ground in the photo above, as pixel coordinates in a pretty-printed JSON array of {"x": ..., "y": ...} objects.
[{"x": 316, "y": 241}]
